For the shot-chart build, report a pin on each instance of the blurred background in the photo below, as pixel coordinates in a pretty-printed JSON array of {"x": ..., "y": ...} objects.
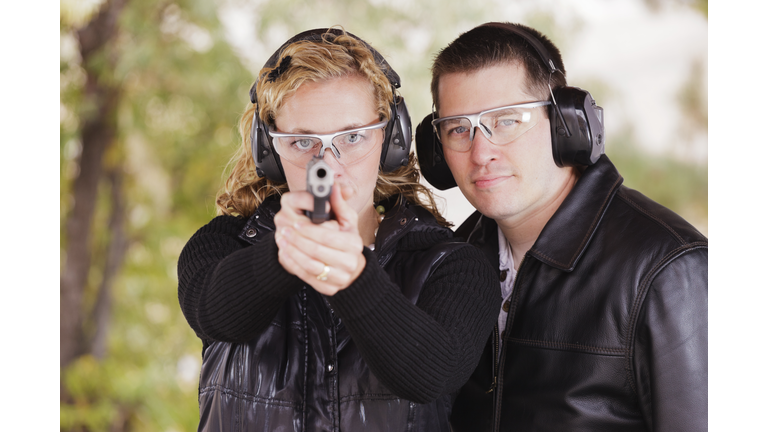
[{"x": 151, "y": 93}]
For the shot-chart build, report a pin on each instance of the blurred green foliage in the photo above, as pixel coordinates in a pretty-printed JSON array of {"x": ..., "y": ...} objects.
[
  {"x": 183, "y": 89},
  {"x": 181, "y": 95}
]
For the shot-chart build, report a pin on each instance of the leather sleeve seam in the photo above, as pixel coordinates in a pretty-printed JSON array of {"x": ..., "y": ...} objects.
[{"x": 640, "y": 301}]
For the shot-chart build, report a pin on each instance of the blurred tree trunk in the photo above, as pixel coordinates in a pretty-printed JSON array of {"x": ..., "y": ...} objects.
[
  {"x": 99, "y": 129},
  {"x": 115, "y": 252}
]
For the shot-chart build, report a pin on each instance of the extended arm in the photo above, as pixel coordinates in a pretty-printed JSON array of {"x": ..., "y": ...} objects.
[
  {"x": 229, "y": 291},
  {"x": 422, "y": 351}
]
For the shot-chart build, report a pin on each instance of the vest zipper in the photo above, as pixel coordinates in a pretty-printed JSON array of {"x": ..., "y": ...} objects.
[{"x": 334, "y": 372}]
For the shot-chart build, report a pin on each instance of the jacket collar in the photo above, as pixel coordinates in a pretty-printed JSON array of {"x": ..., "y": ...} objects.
[
  {"x": 403, "y": 218},
  {"x": 482, "y": 232},
  {"x": 568, "y": 232},
  {"x": 261, "y": 221}
]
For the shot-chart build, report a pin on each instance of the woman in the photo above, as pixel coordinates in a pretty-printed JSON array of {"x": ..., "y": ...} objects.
[{"x": 365, "y": 322}]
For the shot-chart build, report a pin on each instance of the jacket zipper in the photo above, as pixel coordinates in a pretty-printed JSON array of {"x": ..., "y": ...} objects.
[
  {"x": 510, "y": 319},
  {"x": 495, "y": 357}
]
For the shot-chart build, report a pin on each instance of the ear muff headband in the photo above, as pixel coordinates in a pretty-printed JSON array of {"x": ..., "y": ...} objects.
[
  {"x": 576, "y": 124},
  {"x": 397, "y": 138}
]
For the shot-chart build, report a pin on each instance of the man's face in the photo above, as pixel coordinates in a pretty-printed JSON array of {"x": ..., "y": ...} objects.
[{"x": 512, "y": 182}]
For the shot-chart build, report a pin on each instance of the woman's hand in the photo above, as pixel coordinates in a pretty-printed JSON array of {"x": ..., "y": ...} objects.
[{"x": 305, "y": 249}]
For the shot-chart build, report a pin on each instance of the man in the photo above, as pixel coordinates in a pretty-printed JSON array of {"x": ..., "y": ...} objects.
[{"x": 604, "y": 318}]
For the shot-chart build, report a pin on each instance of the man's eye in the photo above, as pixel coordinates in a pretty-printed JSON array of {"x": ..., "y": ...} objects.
[
  {"x": 511, "y": 119},
  {"x": 458, "y": 130},
  {"x": 508, "y": 122}
]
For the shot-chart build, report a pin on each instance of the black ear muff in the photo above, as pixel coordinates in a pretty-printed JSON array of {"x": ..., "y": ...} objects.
[
  {"x": 397, "y": 139},
  {"x": 576, "y": 125},
  {"x": 429, "y": 152},
  {"x": 264, "y": 157}
]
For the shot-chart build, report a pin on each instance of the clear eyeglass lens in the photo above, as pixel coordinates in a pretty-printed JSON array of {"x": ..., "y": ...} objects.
[
  {"x": 499, "y": 127},
  {"x": 348, "y": 147},
  {"x": 297, "y": 148}
]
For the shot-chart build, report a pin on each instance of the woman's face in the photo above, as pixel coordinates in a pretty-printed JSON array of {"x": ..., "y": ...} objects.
[{"x": 326, "y": 107}]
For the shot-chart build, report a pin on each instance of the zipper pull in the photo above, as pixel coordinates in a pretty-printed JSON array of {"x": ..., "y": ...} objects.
[
  {"x": 493, "y": 386},
  {"x": 495, "y": 357}
]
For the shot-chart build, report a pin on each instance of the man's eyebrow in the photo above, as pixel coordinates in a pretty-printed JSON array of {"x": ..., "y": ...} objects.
[{"x": 504, "y": 112}]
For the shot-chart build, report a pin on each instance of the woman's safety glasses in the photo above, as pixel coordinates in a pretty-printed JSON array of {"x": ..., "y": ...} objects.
[
  {"x": 500, "y": 126},
  {"x": 348, "y": 146}
]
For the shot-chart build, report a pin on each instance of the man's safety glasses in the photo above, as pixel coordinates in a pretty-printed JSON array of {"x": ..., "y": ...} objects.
[
  {"x": 500, "y": 126},
  {"x": 348, "y": 146}
]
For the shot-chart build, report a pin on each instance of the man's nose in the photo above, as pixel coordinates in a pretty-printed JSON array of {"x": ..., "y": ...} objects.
[
  {"x": 479, "y": 129},
  {"x": 482, "y": 150},
  {"x": 483, "y": 130}
]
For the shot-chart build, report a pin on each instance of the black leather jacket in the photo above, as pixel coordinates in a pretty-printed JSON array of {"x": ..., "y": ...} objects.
[
  {"x": 305, "y": 371},
  {"x": 607, "y": 324}
]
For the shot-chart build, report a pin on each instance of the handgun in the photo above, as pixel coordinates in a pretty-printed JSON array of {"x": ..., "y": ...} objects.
[{"x": 319, "y": 184}]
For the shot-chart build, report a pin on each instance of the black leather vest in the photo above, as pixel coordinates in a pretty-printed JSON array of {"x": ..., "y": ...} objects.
[{"x": 305, "y": 373}]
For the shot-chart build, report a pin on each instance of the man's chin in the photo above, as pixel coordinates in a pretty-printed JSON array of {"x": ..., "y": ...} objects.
[{"x": 489, "y": 206}]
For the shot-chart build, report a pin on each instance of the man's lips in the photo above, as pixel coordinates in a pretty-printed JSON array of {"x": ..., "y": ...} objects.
[{"x": 487, "y": 181}]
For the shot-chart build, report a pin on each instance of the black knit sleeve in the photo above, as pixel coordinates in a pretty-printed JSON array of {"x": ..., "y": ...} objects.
[
  {"x": 230, "y": 291},
  {"x": 425, "y": 350}
]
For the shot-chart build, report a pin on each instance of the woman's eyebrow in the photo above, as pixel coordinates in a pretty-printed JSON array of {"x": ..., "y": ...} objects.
[{"x": 349, "y": 127}]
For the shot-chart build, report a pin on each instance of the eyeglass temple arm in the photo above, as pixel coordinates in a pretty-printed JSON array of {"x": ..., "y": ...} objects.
[{"x": 553, "y": 69}]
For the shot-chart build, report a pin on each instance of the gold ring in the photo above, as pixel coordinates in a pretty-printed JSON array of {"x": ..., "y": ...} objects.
[{"x": 324, "y": 275}]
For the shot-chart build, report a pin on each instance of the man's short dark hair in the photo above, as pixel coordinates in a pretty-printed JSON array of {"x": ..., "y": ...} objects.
[{"x": 487, "y": 46}]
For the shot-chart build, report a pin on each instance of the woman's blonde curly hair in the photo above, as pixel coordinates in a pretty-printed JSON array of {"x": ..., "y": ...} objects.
[{"x": 332, "y": 56}]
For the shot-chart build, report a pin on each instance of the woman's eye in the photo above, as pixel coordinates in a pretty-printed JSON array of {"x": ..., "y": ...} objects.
[
  {"x": 353, "y": 138},
  {"x": 303, "y": 144}
]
